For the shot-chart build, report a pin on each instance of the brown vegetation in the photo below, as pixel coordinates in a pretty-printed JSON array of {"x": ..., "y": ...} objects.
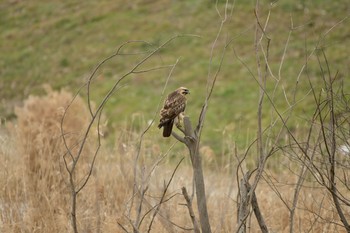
[{"x": 35, "y": 198}]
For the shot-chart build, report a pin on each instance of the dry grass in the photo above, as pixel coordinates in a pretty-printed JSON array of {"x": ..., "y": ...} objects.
[{"x": 35, "y": 198}]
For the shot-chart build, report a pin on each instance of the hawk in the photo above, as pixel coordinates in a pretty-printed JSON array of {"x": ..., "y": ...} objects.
[{"x": 174, "y": 105}]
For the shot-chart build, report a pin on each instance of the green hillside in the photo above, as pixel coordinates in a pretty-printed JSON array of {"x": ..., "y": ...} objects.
[{"x": 60, "y": 42}]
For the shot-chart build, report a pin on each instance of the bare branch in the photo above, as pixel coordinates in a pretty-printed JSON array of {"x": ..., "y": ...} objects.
[
  {"x": 258, "y": 214},
  {"x": 163, "y": 195},
  {"x": 190, "y": 210},
  {"x": 178, "y": 137}
]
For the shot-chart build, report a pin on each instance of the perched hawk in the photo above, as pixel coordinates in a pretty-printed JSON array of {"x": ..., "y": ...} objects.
[{"x": 173, "y": 106}]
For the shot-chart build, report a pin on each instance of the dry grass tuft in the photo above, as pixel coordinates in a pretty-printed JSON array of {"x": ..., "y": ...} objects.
[{"x": 42, "y": 192}]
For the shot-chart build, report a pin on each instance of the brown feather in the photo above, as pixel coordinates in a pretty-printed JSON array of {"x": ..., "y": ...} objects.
[{"x": 173, "y": 106}]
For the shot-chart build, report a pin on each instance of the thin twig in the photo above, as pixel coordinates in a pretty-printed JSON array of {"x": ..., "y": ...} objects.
[
  {"x": 163, "y": 196},
  {"x": 190, "y": 210}
]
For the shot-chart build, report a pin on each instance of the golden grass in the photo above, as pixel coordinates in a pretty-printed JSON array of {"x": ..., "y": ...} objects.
[{"x": 35, "y": 197}]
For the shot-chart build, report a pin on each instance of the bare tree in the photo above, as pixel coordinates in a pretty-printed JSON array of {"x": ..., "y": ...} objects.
[
  {"x": 331, "y": 133},
  {"x": 191, "y": 140},
  {"x": 247, "y": 197}
]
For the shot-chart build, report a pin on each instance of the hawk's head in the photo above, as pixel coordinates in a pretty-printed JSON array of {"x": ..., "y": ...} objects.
[{"x": 183, "y": 91}]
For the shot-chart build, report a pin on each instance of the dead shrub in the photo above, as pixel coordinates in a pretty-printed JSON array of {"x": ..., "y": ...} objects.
[{"x": 41, "y": 145}]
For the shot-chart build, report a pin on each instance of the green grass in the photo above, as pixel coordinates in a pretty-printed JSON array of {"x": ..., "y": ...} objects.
[{"x": 60, "y": 43}]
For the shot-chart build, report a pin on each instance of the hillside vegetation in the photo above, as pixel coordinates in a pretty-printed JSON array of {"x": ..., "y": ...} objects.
[{"x": 60, "y": 42}]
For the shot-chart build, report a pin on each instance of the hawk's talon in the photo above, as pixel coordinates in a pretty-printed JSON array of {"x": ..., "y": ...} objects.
[{"x": 179, "y": 125}]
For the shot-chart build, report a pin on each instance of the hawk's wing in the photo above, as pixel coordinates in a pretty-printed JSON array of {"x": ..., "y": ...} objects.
[{"x": 173, "y": 106}]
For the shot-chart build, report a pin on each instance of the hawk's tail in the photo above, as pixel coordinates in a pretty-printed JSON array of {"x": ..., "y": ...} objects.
[{"x": 167, "y": 128}]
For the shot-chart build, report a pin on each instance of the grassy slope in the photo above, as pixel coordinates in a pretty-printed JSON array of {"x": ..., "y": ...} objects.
[{"x": 60, "y": 42}]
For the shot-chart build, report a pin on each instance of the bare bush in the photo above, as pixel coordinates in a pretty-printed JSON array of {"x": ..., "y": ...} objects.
[
  {"x": 38, "y": 127},
  {"x": 40, "y": 146}
]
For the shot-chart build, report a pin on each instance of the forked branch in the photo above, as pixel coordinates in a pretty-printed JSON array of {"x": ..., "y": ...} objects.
[{"x": 191, "y": 140}]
